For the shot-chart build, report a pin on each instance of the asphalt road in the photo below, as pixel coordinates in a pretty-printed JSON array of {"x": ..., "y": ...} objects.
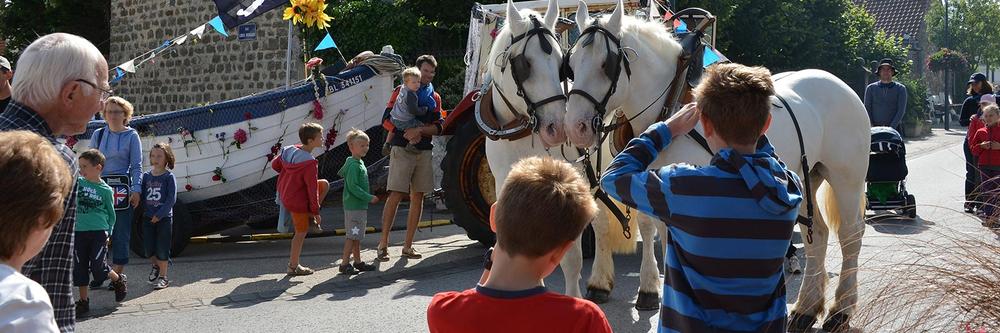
[{"x": 236, "y": 287}]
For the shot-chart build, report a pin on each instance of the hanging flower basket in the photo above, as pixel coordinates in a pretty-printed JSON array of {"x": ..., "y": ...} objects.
[{"x": 946, "y": 59}]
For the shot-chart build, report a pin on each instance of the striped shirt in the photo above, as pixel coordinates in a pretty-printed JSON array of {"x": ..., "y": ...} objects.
[
  {"x": 730, "y": 224},
  {"x": 54, "y": 265}
]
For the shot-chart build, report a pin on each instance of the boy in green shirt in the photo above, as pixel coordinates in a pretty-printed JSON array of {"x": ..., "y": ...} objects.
[
  {"x": 357, "y": 196},
  {"x": 95, "y": 218}
]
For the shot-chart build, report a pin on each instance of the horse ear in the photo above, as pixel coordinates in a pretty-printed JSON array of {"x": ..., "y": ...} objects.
[
  {"x": 514, "y": 19},
  {"x": 615, "y": 22},
  {"x": 552, "y": 14},
  {"x": 582, "y": 16}
]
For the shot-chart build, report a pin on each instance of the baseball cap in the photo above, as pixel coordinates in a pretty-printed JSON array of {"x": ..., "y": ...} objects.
[
  {"x": 988, "y": 98},
  {"x": 5, "y": 64},
  {"x": 977, "y": 77}
]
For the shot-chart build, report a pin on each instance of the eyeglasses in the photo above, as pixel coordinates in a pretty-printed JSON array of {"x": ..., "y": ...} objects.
[{"x": 105, "y": 93}]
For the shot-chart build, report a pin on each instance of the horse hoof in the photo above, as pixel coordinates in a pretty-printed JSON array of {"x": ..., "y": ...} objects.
[
  {"x": 598, "y": 296},
  {"x": 838, "y": 322},
  {"x": 798, "y": 322},
  {"x": 647, "y": 301}
]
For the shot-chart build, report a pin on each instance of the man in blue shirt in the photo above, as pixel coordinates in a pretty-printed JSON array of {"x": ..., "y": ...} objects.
[{"x": 885, "y": 100}]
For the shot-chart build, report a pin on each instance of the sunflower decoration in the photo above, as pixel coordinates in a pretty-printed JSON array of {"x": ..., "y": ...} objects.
[{"x": 308, "y": 12}]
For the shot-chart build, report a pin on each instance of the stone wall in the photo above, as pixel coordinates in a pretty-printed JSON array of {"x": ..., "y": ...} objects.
[{"x": 209, "y": 70}]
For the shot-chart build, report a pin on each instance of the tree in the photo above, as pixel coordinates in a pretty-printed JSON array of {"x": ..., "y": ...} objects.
[
  {"x": 972, "y": 29},
  {"x": 26, "y": 20}
]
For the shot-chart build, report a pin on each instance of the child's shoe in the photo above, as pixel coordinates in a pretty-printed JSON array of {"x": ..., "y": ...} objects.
[
  {"x": 792, "y": 265},
  {"x": 161, "y": 283},
  {"x": 348, "y": 269},
  {"x": 153, "y": 274},
  {"x": 411, "y": 254},
  {"x": 121, "y": 287},
  {"x": 82, "y": 307},
  {"x": 299, "y": 270},
  {"x": 364, "y": 267},
  {"x": 383, "y": 254}
]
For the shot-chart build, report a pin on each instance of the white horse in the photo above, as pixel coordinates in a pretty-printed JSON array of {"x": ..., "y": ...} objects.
[
  {"x": 539, "y": 76},
  {"x": 834, "y": 127}
]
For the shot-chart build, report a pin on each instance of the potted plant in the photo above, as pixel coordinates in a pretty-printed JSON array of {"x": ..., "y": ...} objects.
[{"x": 916, "y": 120}]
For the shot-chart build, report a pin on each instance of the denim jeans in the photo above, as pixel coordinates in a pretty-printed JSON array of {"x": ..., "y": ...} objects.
[
  {"x": 972, "y": 175},
  {"x": 156, "y": 237},
  {"x": 121, "y": 236}
]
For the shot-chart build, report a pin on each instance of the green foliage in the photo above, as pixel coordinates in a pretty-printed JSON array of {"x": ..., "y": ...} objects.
[
  {"x": 947, "y": 59},
  {"x": 792, "y": 35},
  {"x": 24, "y": 20},
  {"x": 972, "y": 29},
  {"x": 916, "y": 102}
]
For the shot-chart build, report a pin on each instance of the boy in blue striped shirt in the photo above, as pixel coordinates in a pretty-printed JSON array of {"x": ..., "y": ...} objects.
[{"x": 730, "y": 222}]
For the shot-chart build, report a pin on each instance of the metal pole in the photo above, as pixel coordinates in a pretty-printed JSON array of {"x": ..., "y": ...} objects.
[
  {"x": 288, "y": 58},
  {"x": 947, "y": 72}
]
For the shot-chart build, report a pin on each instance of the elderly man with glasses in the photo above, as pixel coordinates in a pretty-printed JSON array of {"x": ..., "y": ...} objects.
[{"x": 62, "y": 82}]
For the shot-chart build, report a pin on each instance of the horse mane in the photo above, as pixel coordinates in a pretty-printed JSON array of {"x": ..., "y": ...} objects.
[
  {"x": 504, "y": 35},
  {"x": 655, "y": 33}
]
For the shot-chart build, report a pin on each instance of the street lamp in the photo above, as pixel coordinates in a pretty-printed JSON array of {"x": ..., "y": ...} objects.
[{"x": 947, "y": 73}]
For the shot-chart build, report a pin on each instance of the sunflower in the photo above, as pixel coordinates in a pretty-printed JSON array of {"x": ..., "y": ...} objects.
[{"x": 309, "y": 12}]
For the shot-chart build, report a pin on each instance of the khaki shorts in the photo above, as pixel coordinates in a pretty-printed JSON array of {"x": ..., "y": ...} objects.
[
  {"x": 408, "y": 169},
  {"x": 355, "y": 222}
]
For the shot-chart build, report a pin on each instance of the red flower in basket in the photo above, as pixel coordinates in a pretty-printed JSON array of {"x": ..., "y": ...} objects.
[
  {"x": 240, "y": 136},
  {"x": 71, "y": 141},
  {"x": 216, "y": 178},
  {"x": 317, "y": 110},
  {"x": 188, "y": 187},
  {"x": 331, "y": 137}
]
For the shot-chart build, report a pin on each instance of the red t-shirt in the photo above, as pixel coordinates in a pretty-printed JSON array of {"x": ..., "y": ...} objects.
[{"x": 484, "y": 310}]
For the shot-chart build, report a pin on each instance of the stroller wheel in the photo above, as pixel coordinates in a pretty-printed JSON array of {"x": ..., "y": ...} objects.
[{"x": 911, "y": 206}]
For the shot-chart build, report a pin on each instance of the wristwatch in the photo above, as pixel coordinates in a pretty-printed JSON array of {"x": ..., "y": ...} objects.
[{"x": 488, "y": 259}]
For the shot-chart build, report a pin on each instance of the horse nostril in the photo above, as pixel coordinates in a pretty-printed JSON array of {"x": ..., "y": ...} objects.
[{"x": 581, "y": 127}]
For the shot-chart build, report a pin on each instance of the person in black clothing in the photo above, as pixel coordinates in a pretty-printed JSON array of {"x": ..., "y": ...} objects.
[
  {"x": 6, "y": 73},
  {"x": 977, "y": 87}
]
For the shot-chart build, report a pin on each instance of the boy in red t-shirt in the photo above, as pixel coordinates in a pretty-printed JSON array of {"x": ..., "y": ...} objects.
[
  {"x": 986, "y": 147},
  {"x": 531, "y": 242}
]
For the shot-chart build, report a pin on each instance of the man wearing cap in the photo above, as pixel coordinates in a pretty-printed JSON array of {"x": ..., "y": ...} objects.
[
  {"x": 6, "y": 73},
  {"x": 885, "y": 100}
]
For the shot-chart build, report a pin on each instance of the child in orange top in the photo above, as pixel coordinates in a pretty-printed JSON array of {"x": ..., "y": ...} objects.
[{"x": 531, "y": 242}]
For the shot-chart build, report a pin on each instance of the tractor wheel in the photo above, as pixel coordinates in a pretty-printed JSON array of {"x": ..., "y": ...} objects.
[
  {"x": 180, "y": 234},
  {"x": 468, "y": 183}
]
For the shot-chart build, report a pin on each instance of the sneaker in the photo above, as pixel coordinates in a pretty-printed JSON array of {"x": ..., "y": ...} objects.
[
  {"x": 383, "y": 254},
  {"x": 153, "y": 274},
  {"x": 411, "y": 254},
  {"x": 299, "y": 270},
  {"x": 82, "y": 307},
  {"x": 364, "y": 267},
  {"x": 348, "y": 270},
  {"x": 792, "y": 265},
  {"x": 161, "y": 283},
  {"x": 121, "y": 287}
]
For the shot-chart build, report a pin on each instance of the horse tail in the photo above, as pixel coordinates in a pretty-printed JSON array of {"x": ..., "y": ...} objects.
[
  {"x": 616, "y": 236},
  {"x": 830, "y": 208}
]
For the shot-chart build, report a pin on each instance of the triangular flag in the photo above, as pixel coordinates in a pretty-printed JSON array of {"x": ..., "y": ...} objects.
[
  {"x": 712, "y": 56},
  {"x": 680, "y": 26},
  {"x": 180, "y": 40},
  {"x": 199, "y": 31},
  {"x": 217, "y": 24},
  {"x": 128, "y": 66},
  {"x": 327, "y": 43}
]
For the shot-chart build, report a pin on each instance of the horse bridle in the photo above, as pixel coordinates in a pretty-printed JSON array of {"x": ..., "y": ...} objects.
[
  {"x": 613, "y": 64},
  {"x": 521, "y": 70}
]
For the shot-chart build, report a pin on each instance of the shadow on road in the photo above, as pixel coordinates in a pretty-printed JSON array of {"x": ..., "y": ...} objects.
[
  {"x": 898, "y": 225},
  {"x": 249, "y": 294}
]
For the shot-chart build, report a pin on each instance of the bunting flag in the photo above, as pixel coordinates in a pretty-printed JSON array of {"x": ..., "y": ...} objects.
[
  {"x": 712, "y": 56},
  {"x": 119, "y": 74},
  {"x": 128, "y": 66},
  {"x": 216, "y": 23},
  {"x": 180, "y": 40},
  {"x": 327, "y": 43},
  {"x": 680, "y": 26},
  {"x": 235, "y": 12},
  {"x": 199, "y": 31}
]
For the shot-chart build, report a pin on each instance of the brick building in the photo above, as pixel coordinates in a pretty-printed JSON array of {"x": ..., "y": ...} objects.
[
  {"x": 906, "y": 19},
  {"x": 212, "y": 69}
]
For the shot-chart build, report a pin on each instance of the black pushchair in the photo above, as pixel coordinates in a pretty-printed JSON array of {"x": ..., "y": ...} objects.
[{"x": 886, "y": 179}]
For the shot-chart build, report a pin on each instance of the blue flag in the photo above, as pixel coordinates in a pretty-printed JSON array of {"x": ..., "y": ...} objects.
[
  {"x": 236, "y": 12},
  {"x": 327, "y": 43},
  {"x": 119, "y": 75},
  {"x": 216, "y": 24}
]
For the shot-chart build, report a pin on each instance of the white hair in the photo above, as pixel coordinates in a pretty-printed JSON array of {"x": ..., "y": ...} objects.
[{"x": 50, "y": 62}]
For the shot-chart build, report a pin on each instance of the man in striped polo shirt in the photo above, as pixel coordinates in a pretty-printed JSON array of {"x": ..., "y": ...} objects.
[{"x": 730, "y": 223}]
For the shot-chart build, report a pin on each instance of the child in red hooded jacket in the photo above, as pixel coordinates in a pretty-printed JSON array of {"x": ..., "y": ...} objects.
[
  {"x": 986, "y": 147},
  {"x": 300, "y": 189}
]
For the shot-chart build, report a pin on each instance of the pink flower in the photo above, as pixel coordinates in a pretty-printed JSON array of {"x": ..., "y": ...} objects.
[
  {"x": 317, "y": 110},
  {"x": 188, "y": 187},
  {"x": 493, "y": 33},
  {"x": 313, "y": 63},
  {"x": 71, "y": 141},
  {"x": 240, "y": 136},
  {"x": 216, "y": 178},
  {"x": 247, "y": 115}
]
